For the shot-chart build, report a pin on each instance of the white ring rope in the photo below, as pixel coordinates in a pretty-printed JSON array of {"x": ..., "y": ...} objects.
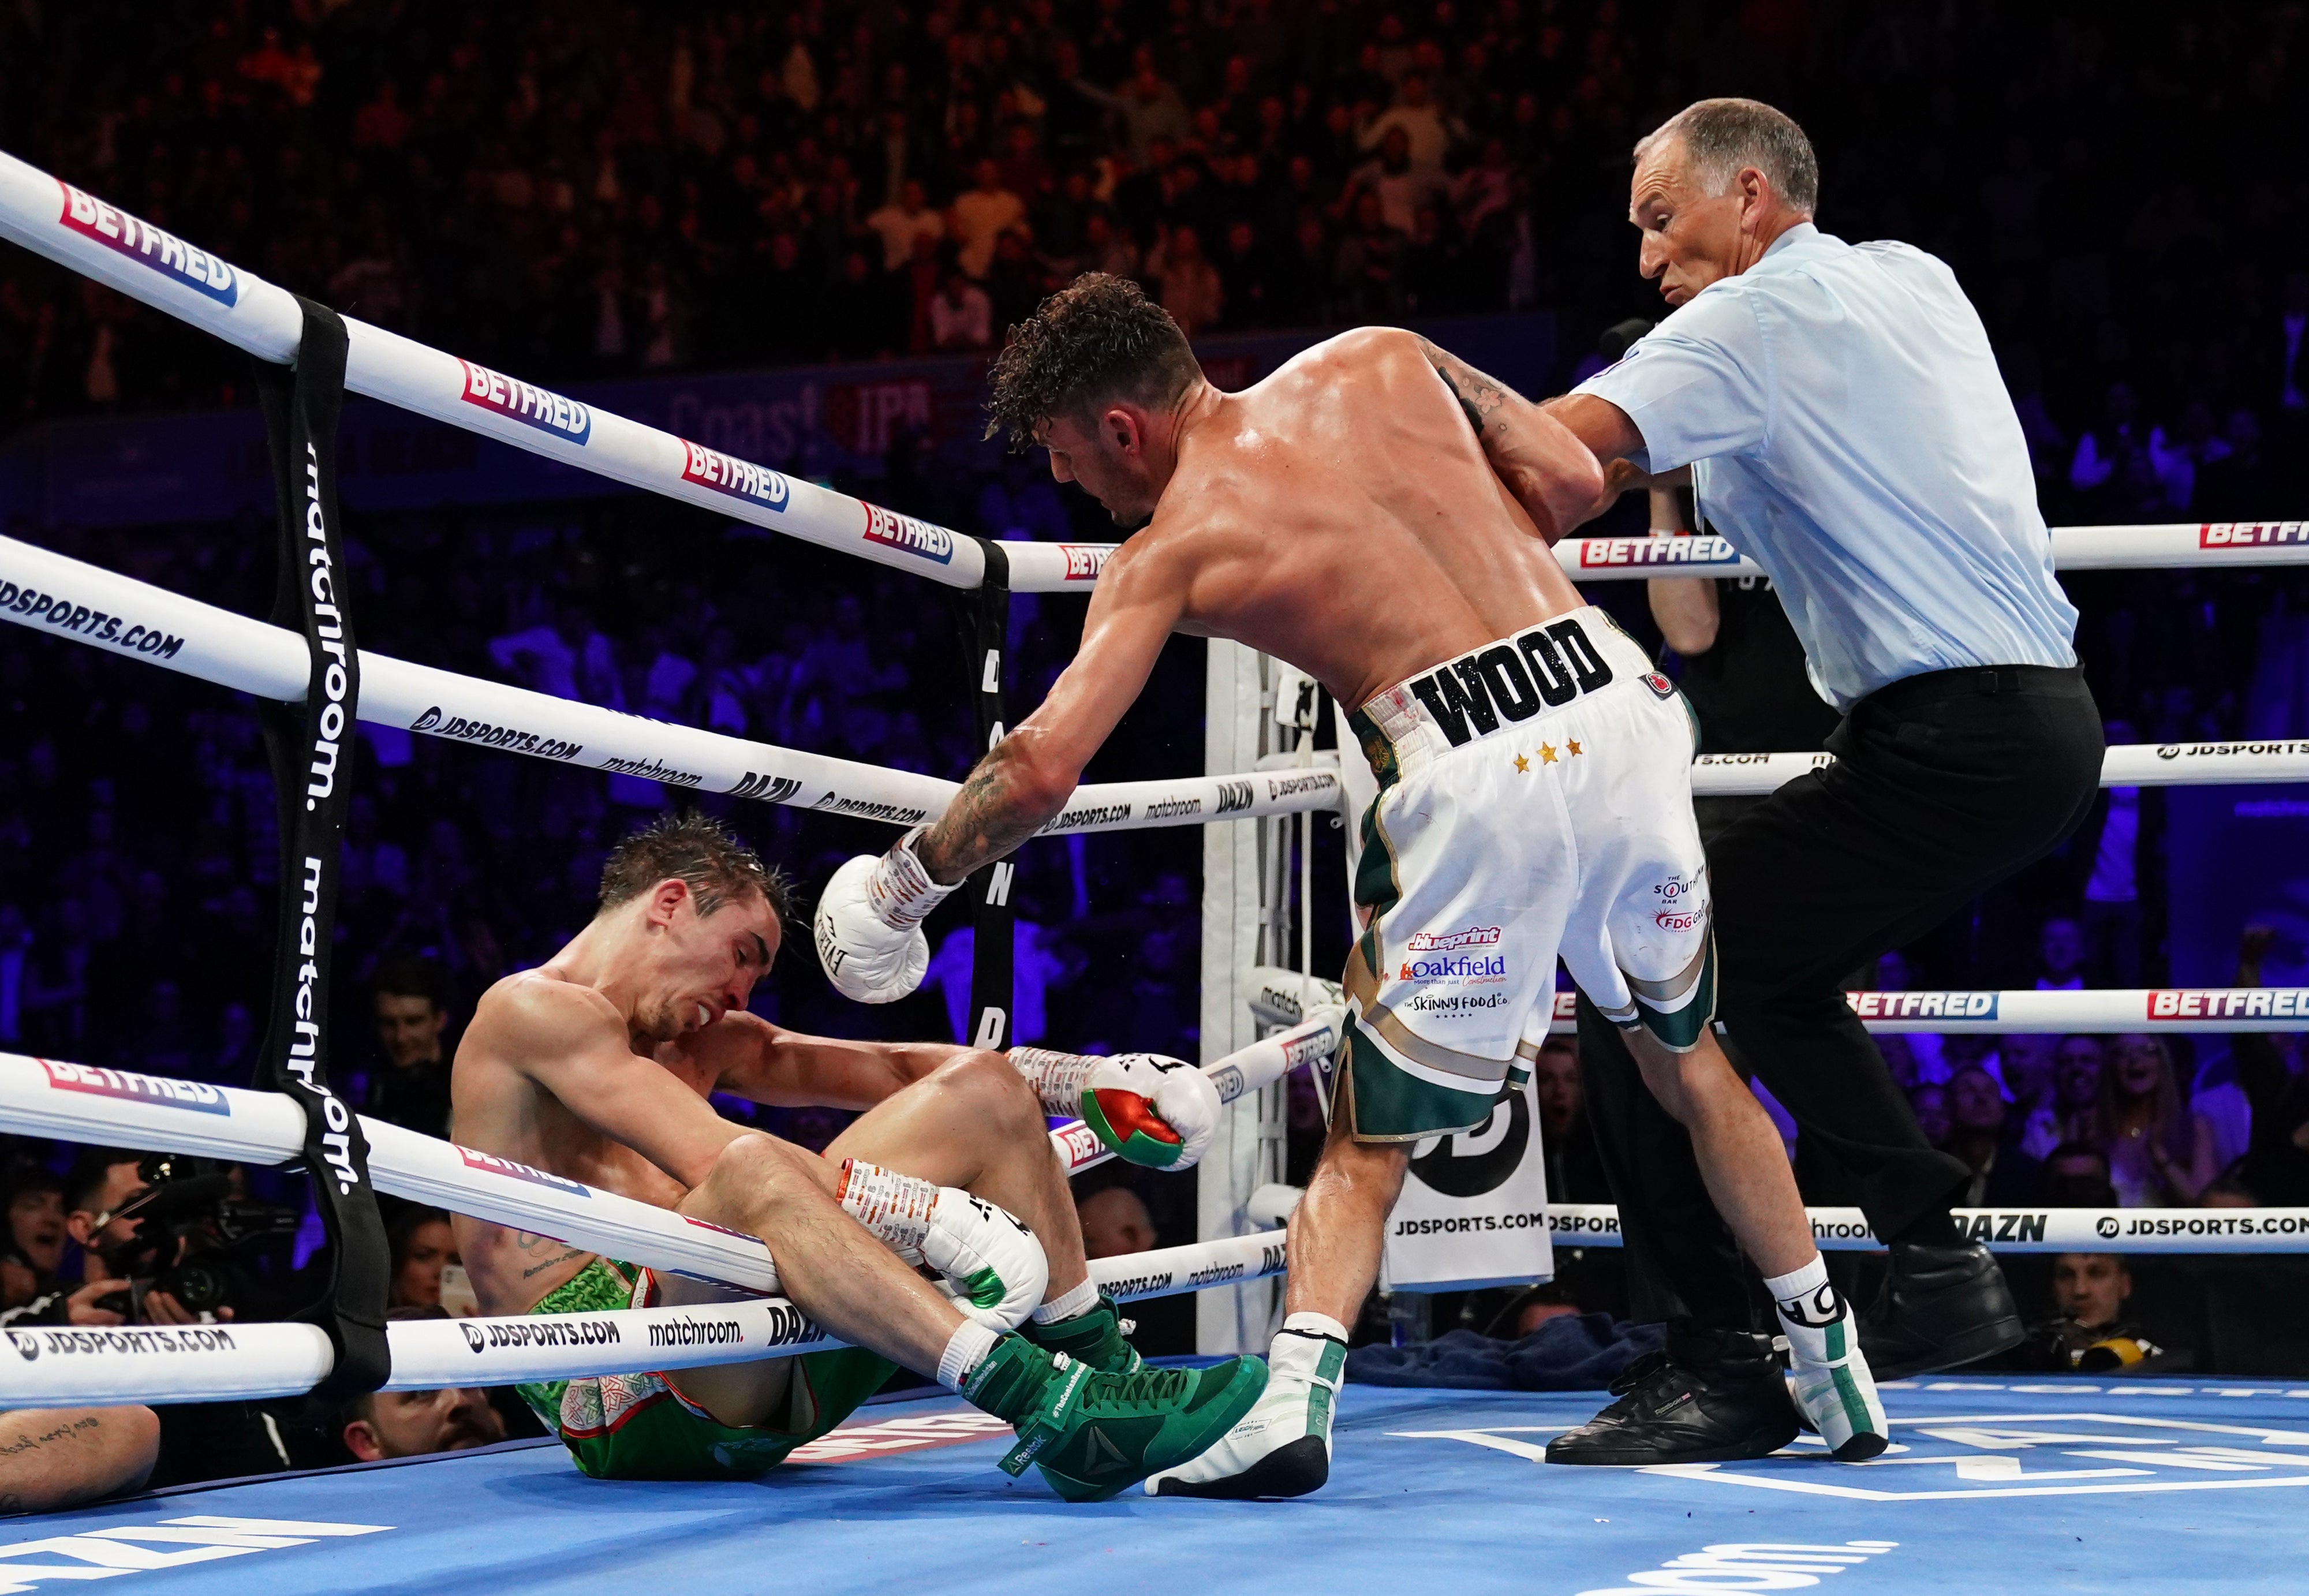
[
  {"x": 2161, "y": 546},
  {"x": 1280, "y": 997},
  {"x": 91, "y": 1104},
  {"x": 54, "y": 592}
]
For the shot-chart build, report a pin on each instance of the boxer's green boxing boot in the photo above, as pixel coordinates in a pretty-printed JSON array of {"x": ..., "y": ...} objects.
[
  {"x": 1095, "y": 1336},
  {"x": 1094, "y": 1434}
]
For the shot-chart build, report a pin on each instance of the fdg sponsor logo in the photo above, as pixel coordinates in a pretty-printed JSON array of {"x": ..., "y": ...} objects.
[
  {"x": 483, "y": 1335},
  {"x": 129, "y": 1085},
  {"x": 2251, "y": 534},
  {"x": 94, "y": 626},
  {"x": 494, "y": 736},
  {"x": 740, "y": 479},
  {"x": 526, "y": 403},
  {"x": 893, "y": 530},
  {"x": 769, "y": 789},
  {"x": 488, "y": 1163},
  {"x": 2229, "y": 1004},
  {"x": 150, "y": 246},
  {"x": 1921, "y": 1005}
]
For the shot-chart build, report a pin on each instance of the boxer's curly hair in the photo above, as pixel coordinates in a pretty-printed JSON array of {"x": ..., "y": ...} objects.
[
  {"x": 1096, "y": 340},
  {"x": 698, "y": 850}
]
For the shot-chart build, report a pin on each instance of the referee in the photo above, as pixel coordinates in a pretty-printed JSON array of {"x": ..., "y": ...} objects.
[{"x": 1846, "y": 426}]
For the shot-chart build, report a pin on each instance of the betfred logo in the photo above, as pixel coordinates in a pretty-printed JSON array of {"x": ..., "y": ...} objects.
[
  {"x": 149, "y": 246},
  {"x": 1922, "y": 1005},
  {"x": 527, "y": 403},
  {"x": 1703, "y": 550},
  {"x": 2232, "y": 1002},
  {"x": 740, "y": 479},
  {"x": 893, "y": 530},
  {"x": 2251, "y": 534},
  {"x": 132, "y": 1087},
  {"x": 488, "y": 1163},
  {"x": 1084, "y": 561},
  {"x": 1437, "y": 941}
]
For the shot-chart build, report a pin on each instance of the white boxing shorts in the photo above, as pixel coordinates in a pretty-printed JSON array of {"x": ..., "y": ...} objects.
[{"x": 1535, "y": 799}]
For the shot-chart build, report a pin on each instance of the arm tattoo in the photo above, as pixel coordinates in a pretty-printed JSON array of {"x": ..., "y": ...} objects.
[
  {"x": 987, "y": 819},
  {"x": 1479, "y": 396}
]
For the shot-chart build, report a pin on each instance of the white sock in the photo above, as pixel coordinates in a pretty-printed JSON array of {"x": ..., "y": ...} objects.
[
  {"x": 967, "y": 1347},
  {"x": 1073, "y": 1305},
  {"x": 1808, "y": 1307},
  {"x": 1316, "y": 1324}
]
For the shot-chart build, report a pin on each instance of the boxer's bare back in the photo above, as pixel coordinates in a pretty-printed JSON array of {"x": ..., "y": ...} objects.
[{"x": 1369, "y": 509}]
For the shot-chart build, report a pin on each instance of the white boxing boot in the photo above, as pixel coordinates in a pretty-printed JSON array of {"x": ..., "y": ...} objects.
[
  {"x": 1828, "y": 1374},
  {"x": 1282, "y": 1446}
]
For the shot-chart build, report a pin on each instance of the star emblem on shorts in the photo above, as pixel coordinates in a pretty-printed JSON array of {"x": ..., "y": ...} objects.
[
  {"x": 1546, "y": 753},
  {"x": 1570, "y": 747},
  {"x": 1522, "y": 765}
]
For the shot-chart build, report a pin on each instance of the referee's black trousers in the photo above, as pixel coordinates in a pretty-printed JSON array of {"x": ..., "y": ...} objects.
[{"x": 1944, "y": 784}]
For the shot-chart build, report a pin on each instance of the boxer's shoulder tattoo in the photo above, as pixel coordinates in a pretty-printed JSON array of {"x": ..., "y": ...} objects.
[{"x": 1480, "y": 397}]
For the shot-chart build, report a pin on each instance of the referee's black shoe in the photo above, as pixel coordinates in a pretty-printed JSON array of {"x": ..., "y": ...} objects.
[
  {"x": 1942, "y": 1307},
  {"x": 1713, "y": 1396}
]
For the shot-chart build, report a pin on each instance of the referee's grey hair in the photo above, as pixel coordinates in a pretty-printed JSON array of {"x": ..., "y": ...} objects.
[{"x": 1724, "y": 136}]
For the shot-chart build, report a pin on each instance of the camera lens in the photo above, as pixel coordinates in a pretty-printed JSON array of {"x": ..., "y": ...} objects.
[{"x": 202, "y": 1287}]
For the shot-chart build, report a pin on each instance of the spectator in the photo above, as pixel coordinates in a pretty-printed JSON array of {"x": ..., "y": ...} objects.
[
  {"x": 1574, "y": 1165},
  {"x": 2025, "y": 1066},
  {"x": 980, "y": 217},
  {"x": 902, "y": 222},
  {"x": 105, "y": 1181},
  {"x": 1115, "y": 1222},
  {"x": 390, "y": 1424},
  {"x": 55, "y": 1458},
  {"x": 2077, "y": 1065},
  {"x": 411, "y": 1089},
  {"x": 1427, "y": 133},
  {"x": 422, "y": 1243},
  {"x": 2060, "y": 948},
  {"x": 1930, "y": 1103},
  {"x": 2076, "y": 1175},
  {"x": 1147, "y": 105},
  {"x": 2159, "y": 1153},
  {"x": 1191, "y": 290},
  {"x": 35, "y": 1242},
  {"x": 2003, "y": 1176},
  {"x": 962, "y": 318}
]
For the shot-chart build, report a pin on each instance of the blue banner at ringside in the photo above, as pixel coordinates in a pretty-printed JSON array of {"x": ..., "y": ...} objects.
[{"x": 813, "y": 422}]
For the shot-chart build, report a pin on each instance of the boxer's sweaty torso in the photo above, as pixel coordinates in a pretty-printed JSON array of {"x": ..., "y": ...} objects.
[{"x": 1342, "y": 515}]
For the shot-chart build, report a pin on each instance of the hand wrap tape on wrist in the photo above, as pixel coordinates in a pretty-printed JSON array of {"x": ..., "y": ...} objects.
[
  {"x": 1056, "y": 1078},
  {"x": 895, "y": 1207},
  {"x": 900, "y": 890}
]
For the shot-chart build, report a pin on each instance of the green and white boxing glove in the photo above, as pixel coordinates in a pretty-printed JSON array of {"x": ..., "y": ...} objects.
[
  {"x": 1145, "y": 1107},
  {"x": 994, "y": 1269}
]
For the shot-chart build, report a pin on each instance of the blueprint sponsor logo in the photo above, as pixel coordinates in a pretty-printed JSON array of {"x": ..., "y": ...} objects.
[
  {"x": 740, "y": 479},
  {"x": 1444, "y": 942},
  {"x": 527, "y": 403},
  {"x": 893, "y": 530},
  {"x": 150, "y": 246},
  {"x": 132, "y": 1087},
  {"x": 1922, "y": 1005},
  {"x": 488, "y": 1163}
]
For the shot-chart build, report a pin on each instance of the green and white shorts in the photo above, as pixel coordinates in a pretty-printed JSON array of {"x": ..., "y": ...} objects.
[{"x": 1534, "y": 800}]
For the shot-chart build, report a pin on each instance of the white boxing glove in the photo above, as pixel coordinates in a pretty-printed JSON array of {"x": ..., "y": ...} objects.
[
  {"x": 1145, "y": 1107},
  {"x": 870, "y": 923},
  {"x": 994, "y": 1268}
]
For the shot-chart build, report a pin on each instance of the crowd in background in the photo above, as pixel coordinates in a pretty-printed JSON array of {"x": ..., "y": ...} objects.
[{"x": 592, "y": 189}]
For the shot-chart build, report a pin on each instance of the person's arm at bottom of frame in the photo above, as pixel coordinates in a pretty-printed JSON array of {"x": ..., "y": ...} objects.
[{"x": 60, "y": 1457}]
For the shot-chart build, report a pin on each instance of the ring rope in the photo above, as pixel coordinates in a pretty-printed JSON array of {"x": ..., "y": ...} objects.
[{"x": 121, "y": 615}]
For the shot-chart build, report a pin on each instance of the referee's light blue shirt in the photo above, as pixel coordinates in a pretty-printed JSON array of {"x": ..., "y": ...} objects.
[{"x": 1848, "y": 430}]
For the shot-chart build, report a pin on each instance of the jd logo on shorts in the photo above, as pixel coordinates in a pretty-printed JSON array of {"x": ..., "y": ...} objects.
[
  {"x": 1548, "y": 666},
  {"x": 1474, "y": 1162}
]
